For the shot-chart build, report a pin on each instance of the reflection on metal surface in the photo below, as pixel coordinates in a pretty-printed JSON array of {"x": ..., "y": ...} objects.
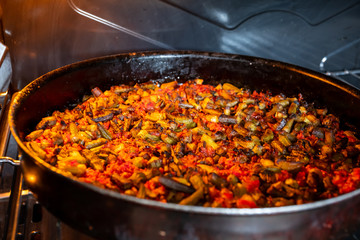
[
  {"x": 5, "y": 68},
  {"x": 231, "y": 14},
  {"x": 5, "y": 196},
  {"x": 31, "y": 178},
  {"x": 4, "y": 125},
  {"x": 342, "y": 49},
  {"x": 10, "y": 161},
  {"x": 349, "y": 74},
  {"x": 354, "y": 73},
  {"x": 38, "y": 46},
  {"x": 117, "y": 27}
]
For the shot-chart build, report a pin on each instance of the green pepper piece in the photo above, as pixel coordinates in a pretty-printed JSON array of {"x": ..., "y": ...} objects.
[
  {"x": 194, "y": 198},
  {"x": 104, "y": 132}
]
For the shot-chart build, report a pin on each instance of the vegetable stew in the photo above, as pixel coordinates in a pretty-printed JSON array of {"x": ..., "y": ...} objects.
[{"x": 198, "y": 144}]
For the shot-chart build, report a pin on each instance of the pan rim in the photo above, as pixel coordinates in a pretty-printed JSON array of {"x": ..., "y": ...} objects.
[{"x": 28, "y": 89}]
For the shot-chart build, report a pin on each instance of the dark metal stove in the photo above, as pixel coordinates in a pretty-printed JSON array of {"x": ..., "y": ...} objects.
[{"x": 39, "y": 36}]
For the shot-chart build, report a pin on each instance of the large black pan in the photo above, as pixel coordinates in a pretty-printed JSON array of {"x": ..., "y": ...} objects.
[{"x": 110, "y": 215}]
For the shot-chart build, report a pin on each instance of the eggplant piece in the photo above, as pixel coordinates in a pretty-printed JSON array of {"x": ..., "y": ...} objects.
[
  {"x": 46, "y": 122},
  {"x": 290, "y": 166},
  {"x": 227, "y": 119},
  {"x": 315, "y": 180},
  {"x": 94, "y": 161},
  {"x": 104, "y": 118},
  {"x": 218, "y": 181},
  {"x": 269, "y": 174},
  {"x": 95, "y": 143},
  {"x": 175, "y": 185},
  {"x": 34, "y": 135},
  {"x": 121, "y": 182},
  {"x": 280, "y": 189},
  {"x": 185, "y": 105}
]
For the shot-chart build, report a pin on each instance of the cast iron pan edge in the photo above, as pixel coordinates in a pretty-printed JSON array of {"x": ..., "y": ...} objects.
[{"x": 43, "y": 81}]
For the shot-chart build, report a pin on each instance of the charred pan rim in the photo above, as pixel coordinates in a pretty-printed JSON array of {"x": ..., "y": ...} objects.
[{"x": 42, "y": 80}]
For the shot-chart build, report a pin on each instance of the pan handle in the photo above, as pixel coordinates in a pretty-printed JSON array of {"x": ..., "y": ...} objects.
[
  {"x": 12, "y": 217},
  {"x": 10, "y": 160},
  {"x": 4, "y": 125}
]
